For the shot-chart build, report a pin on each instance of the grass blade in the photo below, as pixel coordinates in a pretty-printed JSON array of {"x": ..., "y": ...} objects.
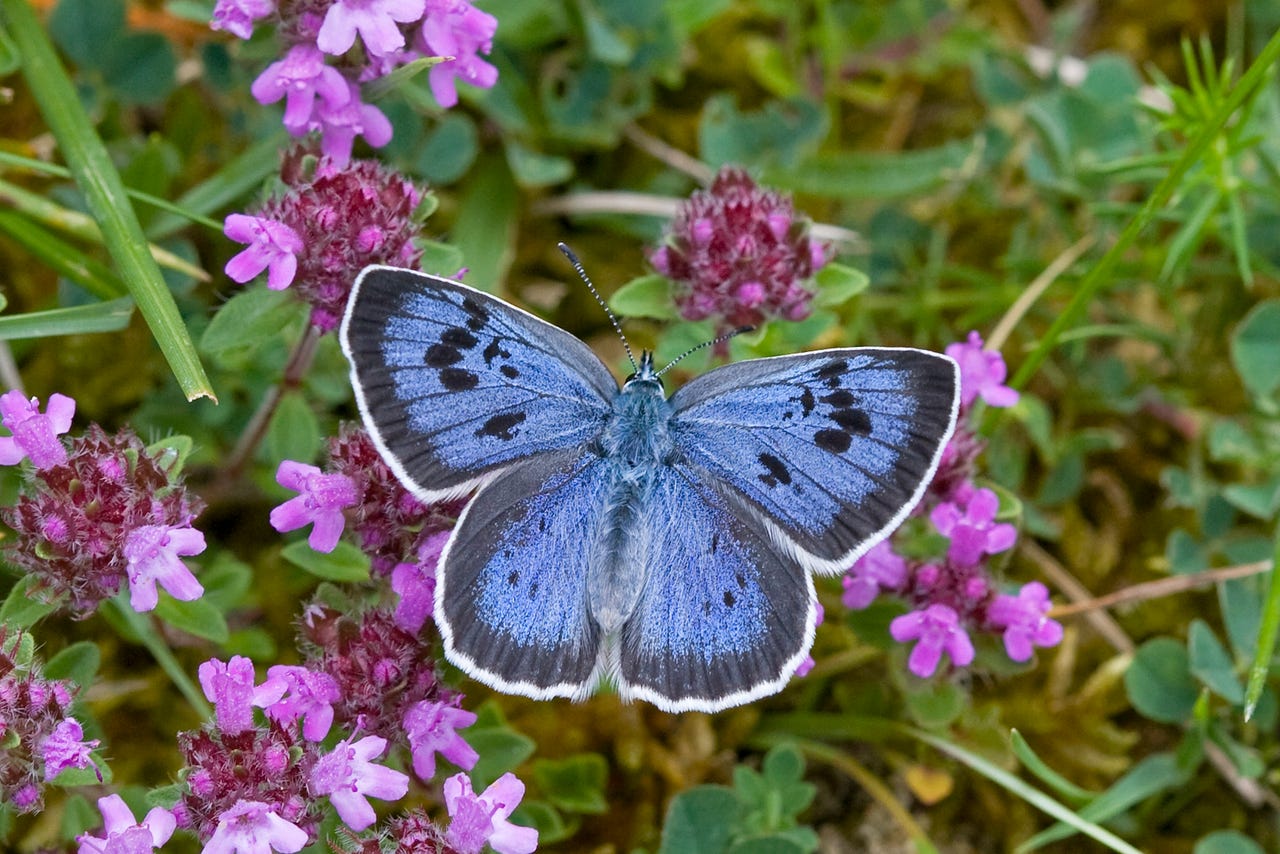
[
  {"x": 104, "y": 194},
  {"x": 1267, "y": 632},
  {"x": 101, "y": 317}
]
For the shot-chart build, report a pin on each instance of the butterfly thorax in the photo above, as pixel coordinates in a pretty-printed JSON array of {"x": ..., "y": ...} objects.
[{"x": 637, "y": 431}]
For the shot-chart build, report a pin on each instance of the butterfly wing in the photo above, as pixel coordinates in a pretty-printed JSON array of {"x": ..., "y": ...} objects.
[
  {"x": 454, "y": 384},
  {"x": 832, "y": 448},
  {"x": 511, "y": 586},
  {"x": 726, "y": 614}
]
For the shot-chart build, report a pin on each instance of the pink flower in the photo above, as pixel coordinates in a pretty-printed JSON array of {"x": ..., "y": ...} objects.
[
  {"x": 374, "y": 20},
  {"x": 347, "y": 775},
  {"x": 320, "y": 503},
  {"x": 273, "y": 246},
  {"x": 880, "y": 568},
  {"x": 230, "y": 688},
  {"x": 124, "y": 835},
  {"x": 937, "y": 629},
  {"x": 311, "y": 696},
  {"x": 340, "y": 124},
  {"x": 35, "y": 435},
  {"x": 982, "y": 373},
  {"x": 429, "y": 727},
  {"x": 252, "y": 827},
  {"x": 152, "y": 553},
  {"x": 65, "y": 748},
  {"x": 237, "y": 16},
  {"x": 480, "y": 819},
  {"x": 970, "y": 523},
  {"x": 1024, "y": 622},
  {"x": 458, "y": 29},
  {"x": 416, "y": 584},
  {"x": 299, "y": 78}
]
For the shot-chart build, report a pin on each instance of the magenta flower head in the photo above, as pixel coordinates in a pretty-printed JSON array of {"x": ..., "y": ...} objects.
[
  {"x": 114, "y": 511},
  {"x": 982, "y": 373},
  {"x": 881, "y": 568},
  {"x": 238, "y": 16},
  {"x": 458, "y": 29},
  {"x": 300, "y": 78},
  {"x": 970, "y": 523},
  {"x": 937, "y": 630},
  {"x": 430, "y": 727},
  {"x": 320, "y": 502},
  {"x": 35, "y": 434},
  {"x": 292, "y": 692},
  {"x": 273, "y": 246},
  {"x": 124, "y": 834},
  {"x": 482, "y": 819},
  {"x": 349, "y": 777},
  {"x": 374, "y": 20},
  {"x": 66, "y": 748},
  {"x": 1023, "y": 620},
  {"x": 739, "y": 253},
  {"x": 346, "y": 216},
  {"x": 252, "y": 827}
]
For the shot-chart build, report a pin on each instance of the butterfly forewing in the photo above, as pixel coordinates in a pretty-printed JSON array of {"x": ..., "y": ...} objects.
[
  {"x": 511, "y": 599},
  {"x": 455, "y": 384},
  {"x": 725, "y": 614},
  {"x": 833, "y": 449}
]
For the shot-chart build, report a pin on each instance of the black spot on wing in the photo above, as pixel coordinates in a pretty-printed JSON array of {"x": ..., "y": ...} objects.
[
  {"x": 456, "y": 336},
  {"x": 832, "y": 372},
  {"x": 513, "y": 577},
  {"x": 494, "y": 350},
  {"x": 501, "y": 426},
  {"x": 840, "y": 399},
  {"x": 775, "y": 472},
  {"x": 458, "y": 379},
  {"x": 834, "y": 441},
  {"x": 852, "y": 421},
  {"x": 509, "y": 371},
  {"x": 806, "y": 401},
  {"x": 442, "y": 356},
  {"x": 477, "y": 317}
]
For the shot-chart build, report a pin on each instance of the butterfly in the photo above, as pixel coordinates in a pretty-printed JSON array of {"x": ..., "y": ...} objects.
[{"x": 667, "y": 545}]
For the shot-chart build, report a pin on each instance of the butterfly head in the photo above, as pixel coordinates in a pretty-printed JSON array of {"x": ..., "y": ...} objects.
[{"x": 645, "y": 379}]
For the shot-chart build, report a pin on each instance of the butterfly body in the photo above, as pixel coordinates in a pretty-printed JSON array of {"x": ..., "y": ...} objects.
[{"x": 664, "y": 544}]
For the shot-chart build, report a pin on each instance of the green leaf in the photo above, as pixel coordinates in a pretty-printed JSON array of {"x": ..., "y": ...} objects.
[
  {"x": 78, "y": 663},
  {"x": 441, "y": 259},
  {"x": 21, "y": 608},
  {"x": 1254, "y": 350},
  {"x": 79, "y": 320},
  {"x": 501, "y": 748},
  {"x": 1259, "y": 500},
  {"x": 874, "y": 175},
  {"x": 533, "y": 169},
  {"x": 775, "y": 843},
  {"x": 936, "y": 703},
  {"x": 1159, "y": 682},
  {"x": 837, "y": 284},
  {"x": 294, "y": 432},
  {"x": 777, "y": 135},
  {"x": 646, "y": 296},
  {"x": 248, "y": 319},
  {"x": 448, "y": 150},
  {"x": 699, "y": 821},
  {"x": 200, "y": 618},
  {"x": 345, "y": 563},
  {"x": 140, "y": 68},
  {"x": 86, "y": 29},
  {"x": 1211, "y": 663},
  {"x": 485, "y": 227},
  {"x": 1226, "y": 842},
  {"x": 575, "y": 783},
  {"x": 104, "y": 194},
  {"x": 171, "y": 452}
]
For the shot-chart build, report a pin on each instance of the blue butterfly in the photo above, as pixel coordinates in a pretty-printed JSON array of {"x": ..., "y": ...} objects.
[{"x": 666, "y": 545}]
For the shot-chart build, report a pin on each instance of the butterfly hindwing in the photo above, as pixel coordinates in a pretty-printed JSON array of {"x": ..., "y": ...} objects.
[
  {"x": 833, "y": 448},
  {"x": 511, "y": 586},
  {"x": 725, "y": 616},
  {"x": 455, "y": 384}
]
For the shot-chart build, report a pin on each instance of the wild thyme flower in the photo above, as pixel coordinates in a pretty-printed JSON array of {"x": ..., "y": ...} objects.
[
  {"x": 253, "y": 827},
  {"x": 482, "y": 819},
  {"x": 982, "y": 373},
  {"x": 300, "y": 78},
  {"x": 345, "y": 216},
  {"x": 458, "y": 29},
  {"x": 970, "y": 523},
  {"x": 936, "y": 629},
  {"x": 349, "y": 777},
  {"x": 430, "y": 727},
  {"x": 152, "y": 553},
  {"x": 1023, "y": 621},
  {"x": 80, "y": 525},
  {"x": 740, "y": 254},
  {"x": 374, "y": 20},
  {"x": 292, "y": 692},
  {"x": 123, "y": 833},
  {"x": 273, "y": 246},
  {"x": 35, "y": 434},
  {"x": 41, "y": 738},
  {"x": 320, "y": 501},
  {"x": 881, "y": 568},
  {"x": 415, "y": 583},
  {"x": 238, "y": 16}
]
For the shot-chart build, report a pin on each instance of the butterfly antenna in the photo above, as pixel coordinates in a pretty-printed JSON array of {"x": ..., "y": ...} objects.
[
  {"x": 714, "y": 341},
  {"x": 582, "y": 274}
]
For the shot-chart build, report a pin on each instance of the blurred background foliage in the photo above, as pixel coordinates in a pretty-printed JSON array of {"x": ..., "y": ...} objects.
[{"x": 975, "y": 160}]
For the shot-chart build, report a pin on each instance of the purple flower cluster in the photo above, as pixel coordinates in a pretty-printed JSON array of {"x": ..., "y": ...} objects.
[
  {"x": 41, "y": 738},
  {"x": 334, "y": 46},
  {"x": 91, "y": 516},
  {"x": 740, "y": 254},
  {"x": 330, "y": 221},
  {"x": 955, "y": 595}
]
